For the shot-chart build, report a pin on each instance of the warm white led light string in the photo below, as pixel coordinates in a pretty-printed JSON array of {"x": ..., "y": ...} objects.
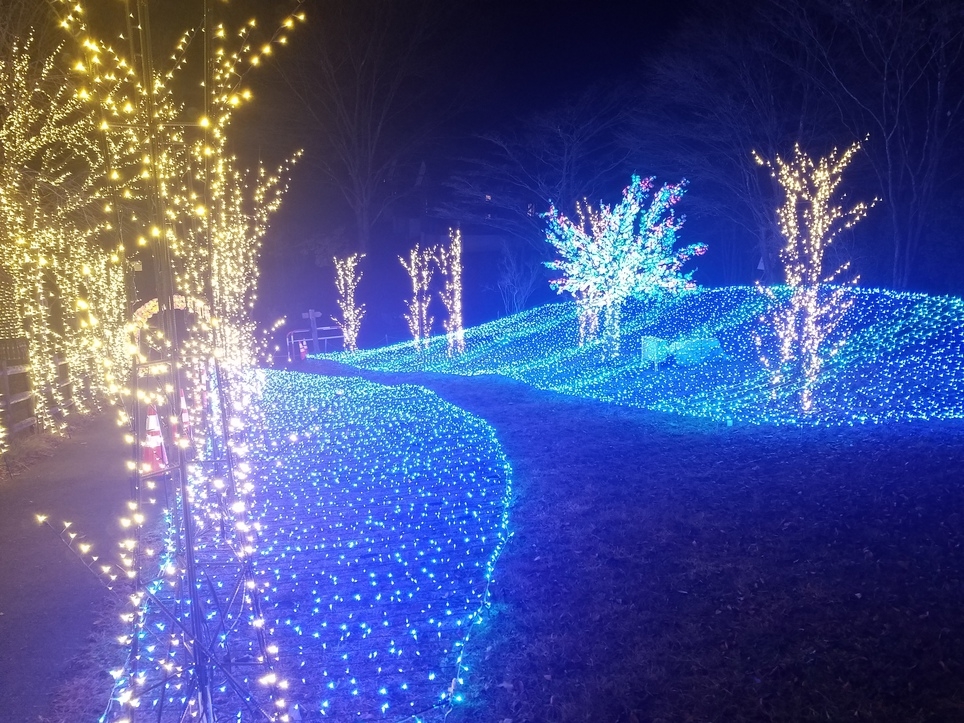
[
  {"x": 348, "y": 275},
  {"x": 209, "y": 217},
  {"x": 421, "y": 268},
  {"x": 808, "y": 329}
]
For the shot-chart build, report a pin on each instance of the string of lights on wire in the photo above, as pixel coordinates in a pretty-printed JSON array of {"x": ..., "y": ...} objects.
[
  {"x": 381, "y": 515},
  {"x": 68, "y": 295},
  {"x": 903, "y": 361},
  {"x": 384, "y": 511},
  {"x": 449, "y": 259},
  {"x": 348, "y": 275},
  {"x": 420, "y": 268},
  {"x": 177, "y": 188}
]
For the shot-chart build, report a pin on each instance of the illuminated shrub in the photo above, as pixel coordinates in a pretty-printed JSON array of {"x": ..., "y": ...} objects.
[{"x": 616, "y": 252}]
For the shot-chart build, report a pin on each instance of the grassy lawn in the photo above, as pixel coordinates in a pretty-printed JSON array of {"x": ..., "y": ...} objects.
[
  {"x": 664, "y": 569},
  {"x": 669, "y": 569}
]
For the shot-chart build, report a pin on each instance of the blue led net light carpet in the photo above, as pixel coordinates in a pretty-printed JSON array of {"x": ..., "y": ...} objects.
[
  {"x": 384, "y": 509},
  {"x": 902, "y": 358}
]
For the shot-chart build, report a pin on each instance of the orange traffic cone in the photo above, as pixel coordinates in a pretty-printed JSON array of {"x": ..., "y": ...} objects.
[
  {"x": 185, "y": 418},
  {"x": 154, "y": 456}
]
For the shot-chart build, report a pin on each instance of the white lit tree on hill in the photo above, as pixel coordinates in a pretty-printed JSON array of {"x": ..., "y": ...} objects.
[
  {"x": 616, "y": 252},
  {"x": 807, "y": 327},
  {"x": 347, "y": 277},
  {"x": 450, "y": 266},
  {"x": 420, "y": 270}
]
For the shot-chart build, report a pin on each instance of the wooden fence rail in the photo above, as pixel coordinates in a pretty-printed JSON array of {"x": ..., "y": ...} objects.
[{"x": 17, "y": 397}]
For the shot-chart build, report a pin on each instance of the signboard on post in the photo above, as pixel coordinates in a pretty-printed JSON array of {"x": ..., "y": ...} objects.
[{"x": 311, "y": 315}]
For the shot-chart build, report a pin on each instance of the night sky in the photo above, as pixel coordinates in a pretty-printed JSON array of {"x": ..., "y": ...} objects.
[
  {"x": 504, "y": 60},
  {"x": 699, "y": 85}
]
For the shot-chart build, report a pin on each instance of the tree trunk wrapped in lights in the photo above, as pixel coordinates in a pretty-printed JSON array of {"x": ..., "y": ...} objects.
[
  {"x": 347, "y": 277},
  {"x": 419, "y": 268},
  {"x": 807, "y": 326},
  {"x": 102, "y": 318},
  {"x": 64, "y": 284},
  {"x": 450, "y": 266},
  {"x": 242, "y": 203},
  {"x": 588, "y": 308},
  {"x": 617, "y": 252},
  {"x": 202, "y": 218}
]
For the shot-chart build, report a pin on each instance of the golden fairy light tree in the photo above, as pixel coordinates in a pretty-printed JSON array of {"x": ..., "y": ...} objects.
[
  {"x": 808, "y": 326},
  {"x": 420, "y": 270},
  {"x": 450, "y": 265},
  {"x": 218, "y": 257},
  {"x": 202, "y": 216},
  {"x": 98, "y": 351},
  {"x": 175, "y": 184},
  {"x": 68, "y": 290},
  {"x": 347, "y": 277}
]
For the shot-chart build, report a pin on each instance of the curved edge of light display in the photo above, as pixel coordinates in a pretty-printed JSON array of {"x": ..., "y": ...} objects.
[
  {"x": 384, "y": 512},
  {"x": 896, "y": 356}
]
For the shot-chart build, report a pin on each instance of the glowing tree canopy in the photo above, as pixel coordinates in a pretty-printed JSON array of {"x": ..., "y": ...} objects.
[
  {"x": 174, "y": 183},
  {"x": 347, "y": 276},
  {"x": 807, "y": 327},
  {"x": 617, "y": 252},
  {"x": 450, "y": 266},
  {"x": 67, "y": 290},
  {"x": 420, "y": 271}
]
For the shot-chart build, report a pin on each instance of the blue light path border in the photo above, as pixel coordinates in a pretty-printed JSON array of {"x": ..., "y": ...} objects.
[
  {"x": 384, "y": 510},
  {"x": 903, "y": 358}
]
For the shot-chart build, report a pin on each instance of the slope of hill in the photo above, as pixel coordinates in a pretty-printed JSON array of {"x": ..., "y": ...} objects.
[{"x": 902, "y": 358}]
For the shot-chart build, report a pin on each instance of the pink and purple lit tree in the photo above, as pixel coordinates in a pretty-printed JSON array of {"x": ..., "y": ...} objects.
[{"x": 613, "y": 253}]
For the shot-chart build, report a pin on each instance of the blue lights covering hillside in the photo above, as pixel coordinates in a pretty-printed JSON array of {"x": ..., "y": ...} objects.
[
  {"x": 383, "y": 510},
  {"x": 378, "y": 517},
  {"x": 902, "y": 358}
]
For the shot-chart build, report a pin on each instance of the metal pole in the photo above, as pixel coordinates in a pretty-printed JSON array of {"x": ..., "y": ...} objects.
[{"x": 165, "y": 277}]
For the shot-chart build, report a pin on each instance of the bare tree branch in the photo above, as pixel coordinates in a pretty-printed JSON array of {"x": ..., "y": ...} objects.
[
  {"x": 365, "y": 82},
  {"x": 727, "y": 88},
  {"x": 892, "y": 70},
  {"x": 558, "y": 157}
]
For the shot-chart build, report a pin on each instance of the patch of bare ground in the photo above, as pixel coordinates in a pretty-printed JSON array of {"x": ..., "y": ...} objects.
[
  {"x": 87, "y": 685},
  {"x": 671, "y": 570},
  {"x": 51, "y": 606},
  {"x": 27, "y": 450}
]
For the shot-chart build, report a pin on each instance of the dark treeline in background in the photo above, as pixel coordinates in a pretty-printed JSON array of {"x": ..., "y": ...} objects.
[{"x": 417, "y": 116}]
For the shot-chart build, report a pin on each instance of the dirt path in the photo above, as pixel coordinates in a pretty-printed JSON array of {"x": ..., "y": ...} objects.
[
  {"x": 662, "y": 569},
  {"x": 48, "y": 599},
  {"x": 665, "y": 569}
]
